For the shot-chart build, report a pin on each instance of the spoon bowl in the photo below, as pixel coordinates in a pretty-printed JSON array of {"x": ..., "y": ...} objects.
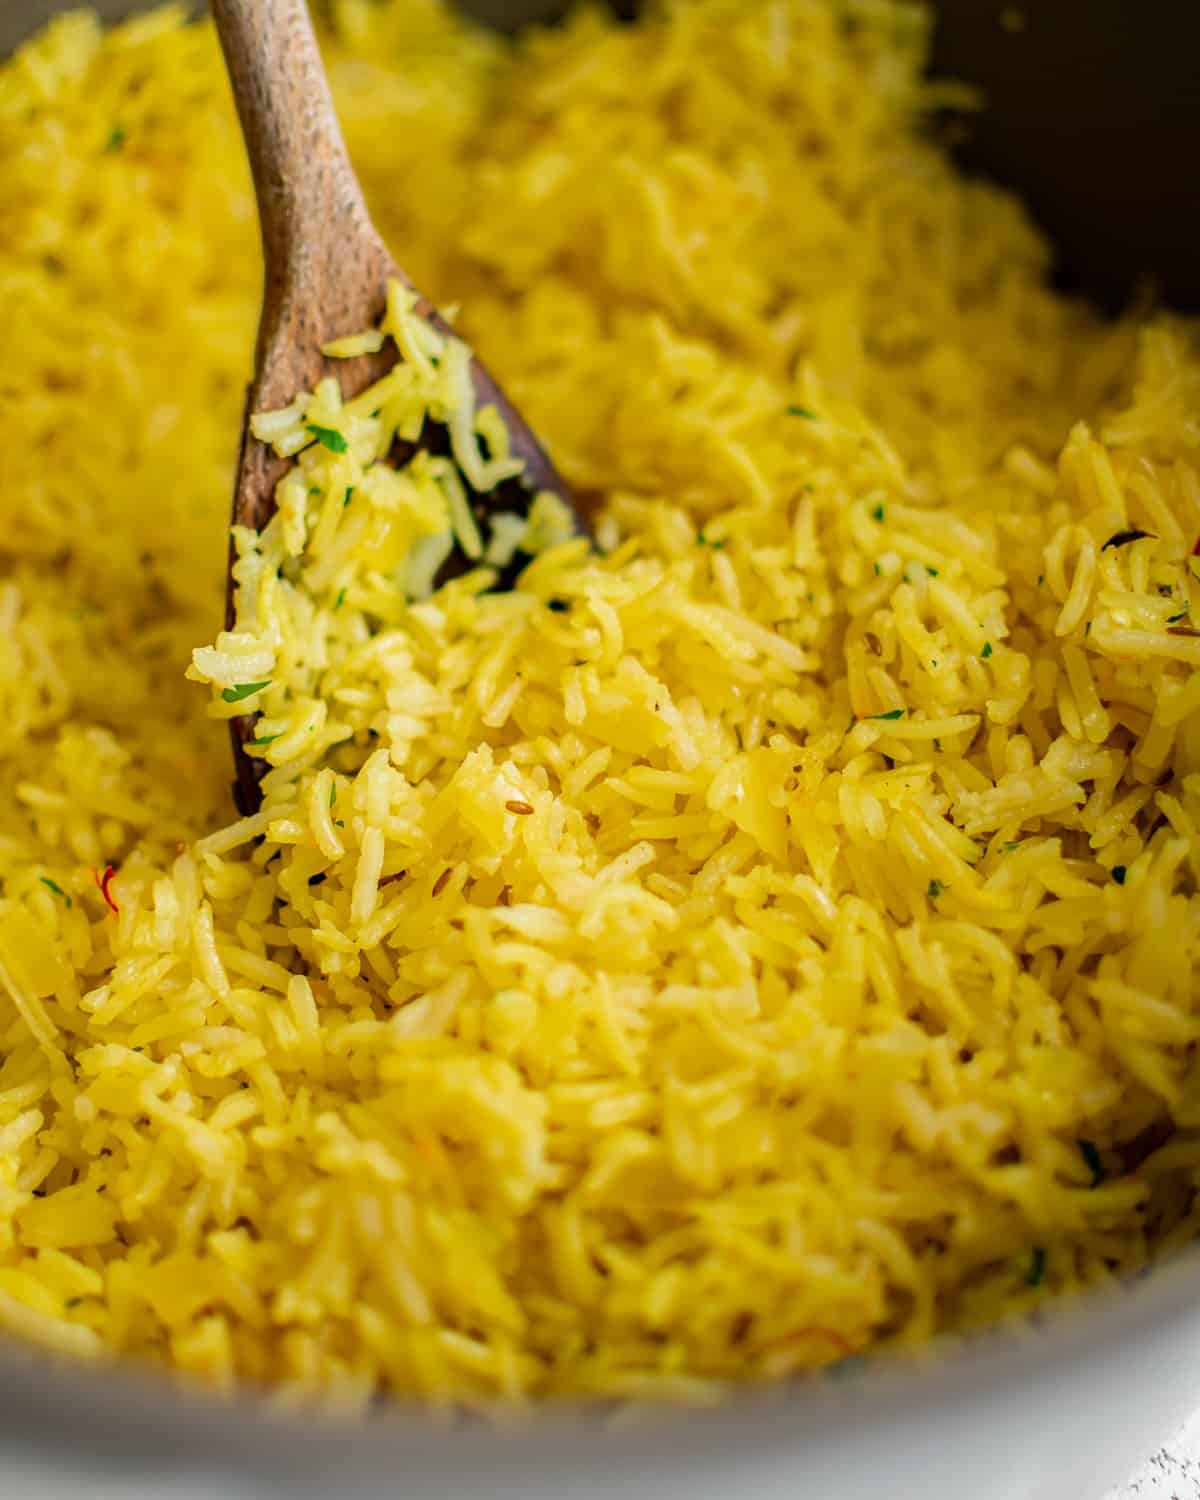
[{"x": 326, "y": 275}]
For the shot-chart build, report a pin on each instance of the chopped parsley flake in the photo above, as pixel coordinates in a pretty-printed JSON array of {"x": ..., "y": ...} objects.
[
  {"x": 318, "y": 879},
  {"x": 116, "y": 138},
  {"x": 264, "y": 739},
  {"x": 878, "y": 513},
  {"x": 332, "y": 793},
  {"x": 1175, "y": 619},
  {"x": 877, "y": 570},
  {"x": 53, "y": 885},
  {"x": 935, "y": 889},
  {"x": 802, "y": 411},
  {"x": 559, "y": 606},
  {"x": 1037, "y": 1266},
  {"x": 349, "y": 487},
  {"x": 341, "y": 596},
  {"x": 1091, "y": 1156},
  {"x": 892, "y": 713},
  {"x": 243, "y": 690},
  {"x": 704, "y": 541},
  {"x": 1118, "y": 874},
  {"x": 987, "y": 650},
  {"x": 328, "y": 437}
]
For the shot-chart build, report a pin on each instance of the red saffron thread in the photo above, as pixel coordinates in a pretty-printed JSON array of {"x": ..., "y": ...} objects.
[{"x": 103, "y": 881}]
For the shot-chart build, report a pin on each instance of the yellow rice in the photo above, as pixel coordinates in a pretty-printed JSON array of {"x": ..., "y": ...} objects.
[{"x": 771, "y": 937}]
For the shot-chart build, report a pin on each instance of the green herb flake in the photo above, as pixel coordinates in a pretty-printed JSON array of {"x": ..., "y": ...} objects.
[
  {"x": 1091, "y": 1155},
  {"x": 1041, "y": 579},
  {"x": 243, "y": 690},
  {"x": 340, "y": 600},
  {"x": 877, "y": 570},
  {"x": 338, "y": 823},
  {"x": 318, "y": 879},
  {"x": 933, "y": 572},
  {"x": 332, "y": 793},
  {"x": 878, "y": 513},
  {"x": 116, "y": 139},
  {"x": 802, "y": 411},
  {"x": 935, "y": 890},
  {"x": 704, "y": 541},
  {"x": 1175, "y": 619},
  {"x": 328, "y": 437},
  {"x": 349, "y": 487},
  {"x": 1010, "y": 846},
  {"x": 892, "y": 713},
  {"x": 1124, "y": 538},
  {"x": 52, "y": 885},
  {"x": 1118, "y": 874},
  {"x": 264, "y": 739},
  {"x": 1037, "y": 1266},
  {"x": 987, "y": 650}
]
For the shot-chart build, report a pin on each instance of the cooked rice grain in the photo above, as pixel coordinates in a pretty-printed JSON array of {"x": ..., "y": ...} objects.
[{"x": 771, "y": 937}]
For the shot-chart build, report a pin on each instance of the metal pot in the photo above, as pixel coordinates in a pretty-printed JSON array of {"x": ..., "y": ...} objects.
[{"x": 1095, "y": 116}]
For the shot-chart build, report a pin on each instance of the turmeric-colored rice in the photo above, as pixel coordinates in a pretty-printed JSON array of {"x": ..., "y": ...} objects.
[{"x": 769, "y": 937}]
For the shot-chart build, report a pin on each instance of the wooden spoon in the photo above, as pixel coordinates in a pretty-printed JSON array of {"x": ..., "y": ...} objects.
[{"x": 326, "y": 271}]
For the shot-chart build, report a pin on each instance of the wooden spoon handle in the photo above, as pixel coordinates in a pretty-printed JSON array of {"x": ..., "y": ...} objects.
[{"x": 315, "y": 225}]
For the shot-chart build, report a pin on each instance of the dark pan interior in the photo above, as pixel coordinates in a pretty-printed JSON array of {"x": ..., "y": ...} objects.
[{"x": 1094, "y": 117}]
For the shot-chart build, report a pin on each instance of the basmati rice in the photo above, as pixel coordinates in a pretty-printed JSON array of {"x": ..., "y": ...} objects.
[{"x": 770, "y": 937}]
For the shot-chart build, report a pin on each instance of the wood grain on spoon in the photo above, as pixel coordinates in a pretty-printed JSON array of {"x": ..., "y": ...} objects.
[{"x": 326, "y": 269}]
